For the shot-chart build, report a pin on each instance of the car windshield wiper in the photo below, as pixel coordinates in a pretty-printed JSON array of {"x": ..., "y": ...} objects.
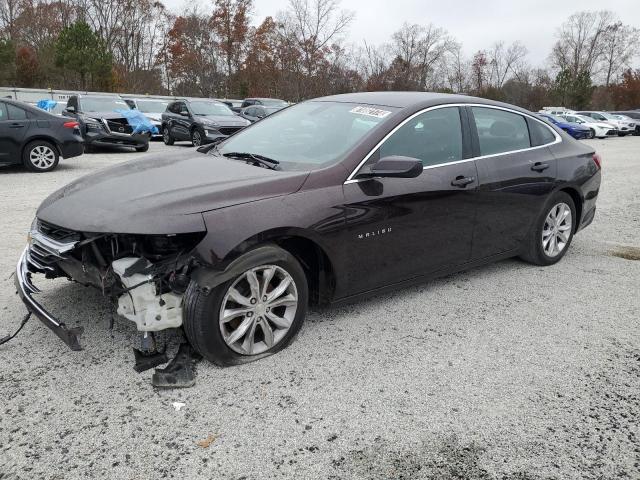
[{"x": 255, "y": 158}]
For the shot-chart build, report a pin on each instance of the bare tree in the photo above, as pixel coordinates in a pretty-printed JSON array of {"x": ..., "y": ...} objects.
[
  {"x": 580, "y": 43},
  {"x": 620, "y": 46},
  {"x": 9, "y": 12},
  {"x": 504, "y": 61}
]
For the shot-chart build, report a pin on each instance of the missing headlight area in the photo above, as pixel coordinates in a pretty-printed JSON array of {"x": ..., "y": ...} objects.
[{"x": 145, "y": 276}]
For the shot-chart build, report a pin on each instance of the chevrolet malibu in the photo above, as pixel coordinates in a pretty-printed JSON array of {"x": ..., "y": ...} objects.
[{"x": 329, "y": 200}]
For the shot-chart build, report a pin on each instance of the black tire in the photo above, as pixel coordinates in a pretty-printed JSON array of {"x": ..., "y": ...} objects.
[
  {"x": 197, "y": 137},
  {"x": 40, "y": 156},
  {"x": 166, "y": 136},
  {"x": 202, "y": 310},
  {"x": 143, "y": 148},
  {"x": 592, "y": 133},
  {"x": 533, "y": 250}
]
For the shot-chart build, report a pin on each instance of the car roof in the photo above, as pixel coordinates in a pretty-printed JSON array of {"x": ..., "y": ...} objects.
[
  {"x": 412, "y": 99},
  {"x": 27, "y": 106}
]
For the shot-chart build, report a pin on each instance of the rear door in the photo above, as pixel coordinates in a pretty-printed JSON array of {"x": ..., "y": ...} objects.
[
  {"x": 399, "y": 228},
  {"x": 14, "y": 123},
  {"x": 516, "y": 173}
]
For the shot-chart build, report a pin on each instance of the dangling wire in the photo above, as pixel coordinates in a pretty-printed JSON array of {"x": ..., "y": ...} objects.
[{"x": 4, "y": 340}]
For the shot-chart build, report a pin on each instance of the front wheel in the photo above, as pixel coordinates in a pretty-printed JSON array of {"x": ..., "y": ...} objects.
[
  {"x": 143, "y": 148},
  {"x": 40, "y": 156},
  {"x": 552, "y": 234},
  {"x": 592, "y": 133},
  {"x": 196, "y": 137},
  {"x": 250, "y": 316},
  {"x": 166, "y": 136}
]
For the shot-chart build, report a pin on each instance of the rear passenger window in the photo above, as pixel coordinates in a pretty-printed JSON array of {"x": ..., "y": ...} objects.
[
  {"x": 500, "y": 131},
  {"x": 540, "y": 134},
  {"x": 16, "y": 113},
  {"x": 3, "y": 112},
  {"x": 435, "y": 137}
]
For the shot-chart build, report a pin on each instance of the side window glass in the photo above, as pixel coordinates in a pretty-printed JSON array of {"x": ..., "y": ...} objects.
[
  {"x": 3, "y": 112},
  {"x": 251, "y": 112},
  {"x": 433, "y": 137},
  {"x": 540, "y": 134},
  {"x": 500, "y": 131},
  {"x": 16, "y": 113}
]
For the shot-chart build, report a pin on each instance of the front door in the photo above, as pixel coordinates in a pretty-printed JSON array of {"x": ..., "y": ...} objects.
[{"x": 399, "y": 228}]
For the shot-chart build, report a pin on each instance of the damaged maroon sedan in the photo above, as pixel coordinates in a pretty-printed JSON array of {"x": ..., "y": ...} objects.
[{"x": 325, "y": 201}]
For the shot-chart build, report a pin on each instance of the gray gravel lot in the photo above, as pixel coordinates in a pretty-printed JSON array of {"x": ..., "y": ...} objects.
[{"x": 509, "y": 371}]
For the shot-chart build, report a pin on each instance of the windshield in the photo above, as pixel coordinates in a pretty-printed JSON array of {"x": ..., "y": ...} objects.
[
  {"x": 152, "y": 106},
  {"x": 107, "y": 104},
  {"x": 210, "y": 108},
  {"x": 308, "y": 135},
  {"x": 271, "y": 110},
  {"x": 586, "y": 119}
]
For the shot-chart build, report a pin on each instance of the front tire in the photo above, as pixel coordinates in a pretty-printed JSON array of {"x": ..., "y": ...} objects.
[
  {"x": 553, "y": 231},
  {"x": 197, "y": 137},
  {"x": 592, "y": 133},
  {"x": 40, "y": 156},
  {"x": 143, "y": 148},
  {"x": 254, "y": 314},
  {"x": 166, "y": 136}
]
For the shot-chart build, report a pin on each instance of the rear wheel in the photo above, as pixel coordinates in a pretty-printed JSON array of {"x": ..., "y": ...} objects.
[
  {"x": 553, "y": 231},
  {"x": 40, "y": 156},
  {"x": 166, "y": 136},
  {"x": 252, "y": 315}
]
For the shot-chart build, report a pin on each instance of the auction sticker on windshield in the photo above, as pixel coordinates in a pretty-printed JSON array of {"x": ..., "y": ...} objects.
[{"x": 371, "y": 112}]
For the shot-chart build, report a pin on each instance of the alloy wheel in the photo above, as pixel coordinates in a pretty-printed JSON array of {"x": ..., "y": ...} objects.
[
  {"x": 196, "y": 138},
  {"x": 258, "y": 309},
  {"x": 556, "y": 231},
  {"x": 42, "y": 157}
]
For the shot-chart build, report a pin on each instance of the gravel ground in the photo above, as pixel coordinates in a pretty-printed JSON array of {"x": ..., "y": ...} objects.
[{"x": 508, "y": 371}]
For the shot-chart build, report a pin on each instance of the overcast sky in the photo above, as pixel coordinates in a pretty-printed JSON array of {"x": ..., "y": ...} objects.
[{"x": 475, "y": 23}]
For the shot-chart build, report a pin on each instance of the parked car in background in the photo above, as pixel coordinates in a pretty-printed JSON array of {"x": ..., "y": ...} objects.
[
  {"x": 557, "y": 111},
  {"x": 632, "y": 118},
  {"x": 257, "y": 112},
  {"x": 234, "y": 105},
  {"x": 329, "y": 200},
  {"x": 35, "y": 138},
  {"x": 101, "y": 124},
  {"x": 600, "y": 129},
  {"x": 624, "y": 127},
  {"x": 200, "y": 121},
  {"x": 267, "y": 102},
  {"x": 152, "y": 108},
  {"x": 576, "y": 130}
]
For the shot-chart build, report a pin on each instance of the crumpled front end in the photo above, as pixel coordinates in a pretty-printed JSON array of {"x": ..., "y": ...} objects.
[{"x": 145, "y": 275}]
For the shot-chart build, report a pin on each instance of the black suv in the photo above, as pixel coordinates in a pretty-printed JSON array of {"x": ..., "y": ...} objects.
[
  {"x": 199, "y": 120},
  {"x": 101, "y": 124},
  {"x": 36, "y": 138}
]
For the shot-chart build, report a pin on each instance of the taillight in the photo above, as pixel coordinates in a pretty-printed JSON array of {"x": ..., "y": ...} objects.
[
  {"x": 70, "y": 124},
  {"x": 597, "y": 159}
]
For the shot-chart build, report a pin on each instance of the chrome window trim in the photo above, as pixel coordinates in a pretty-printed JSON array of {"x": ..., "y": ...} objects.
[{"x": 558, "y": 138}]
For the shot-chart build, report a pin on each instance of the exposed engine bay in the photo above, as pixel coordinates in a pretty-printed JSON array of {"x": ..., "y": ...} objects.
[{"x": 145, "y": 276}]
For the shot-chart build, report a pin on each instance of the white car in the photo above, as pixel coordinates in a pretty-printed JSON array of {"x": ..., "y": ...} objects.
[
  {"x": 153, "y": 108},
  {"x": 624, "y": 127},
  {"x": 633, "y": 124},
  {"x": 598, "y": 129}
]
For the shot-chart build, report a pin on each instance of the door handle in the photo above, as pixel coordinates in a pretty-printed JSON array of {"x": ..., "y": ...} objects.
[
  {"x": 539, "y": 167},
  {"x": 16, "y": 125},
  {"x": 461, "y": 181}
]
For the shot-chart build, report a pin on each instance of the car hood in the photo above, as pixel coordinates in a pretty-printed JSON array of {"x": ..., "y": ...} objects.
[
  {"x": 106, "y": 115},
  {"x": 227, "y": 120},
  {"x": 157, "y": 117},
  {"x": 162, "y": 194}
]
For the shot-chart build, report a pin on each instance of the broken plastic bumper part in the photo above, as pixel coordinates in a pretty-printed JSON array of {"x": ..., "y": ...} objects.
[{"x": 26, "y": 290}]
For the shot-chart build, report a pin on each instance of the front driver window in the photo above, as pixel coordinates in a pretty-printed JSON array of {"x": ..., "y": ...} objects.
[{"x": 434, "y": 137}]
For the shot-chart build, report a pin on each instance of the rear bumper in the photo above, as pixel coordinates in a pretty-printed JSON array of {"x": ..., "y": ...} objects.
[
  {"x": 26, "y": 290},
  {"x": 71, "y": 149}
]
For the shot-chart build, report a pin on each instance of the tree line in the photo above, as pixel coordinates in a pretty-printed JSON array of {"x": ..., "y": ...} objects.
[{"x": 301, "y": 52}]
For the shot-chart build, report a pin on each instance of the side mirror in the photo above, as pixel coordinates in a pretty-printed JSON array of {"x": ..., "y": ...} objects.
[
  {"x": 394, "y": 167},
  {"x": 71, "y": 109},
  {"x": 184, "y": 113}
]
